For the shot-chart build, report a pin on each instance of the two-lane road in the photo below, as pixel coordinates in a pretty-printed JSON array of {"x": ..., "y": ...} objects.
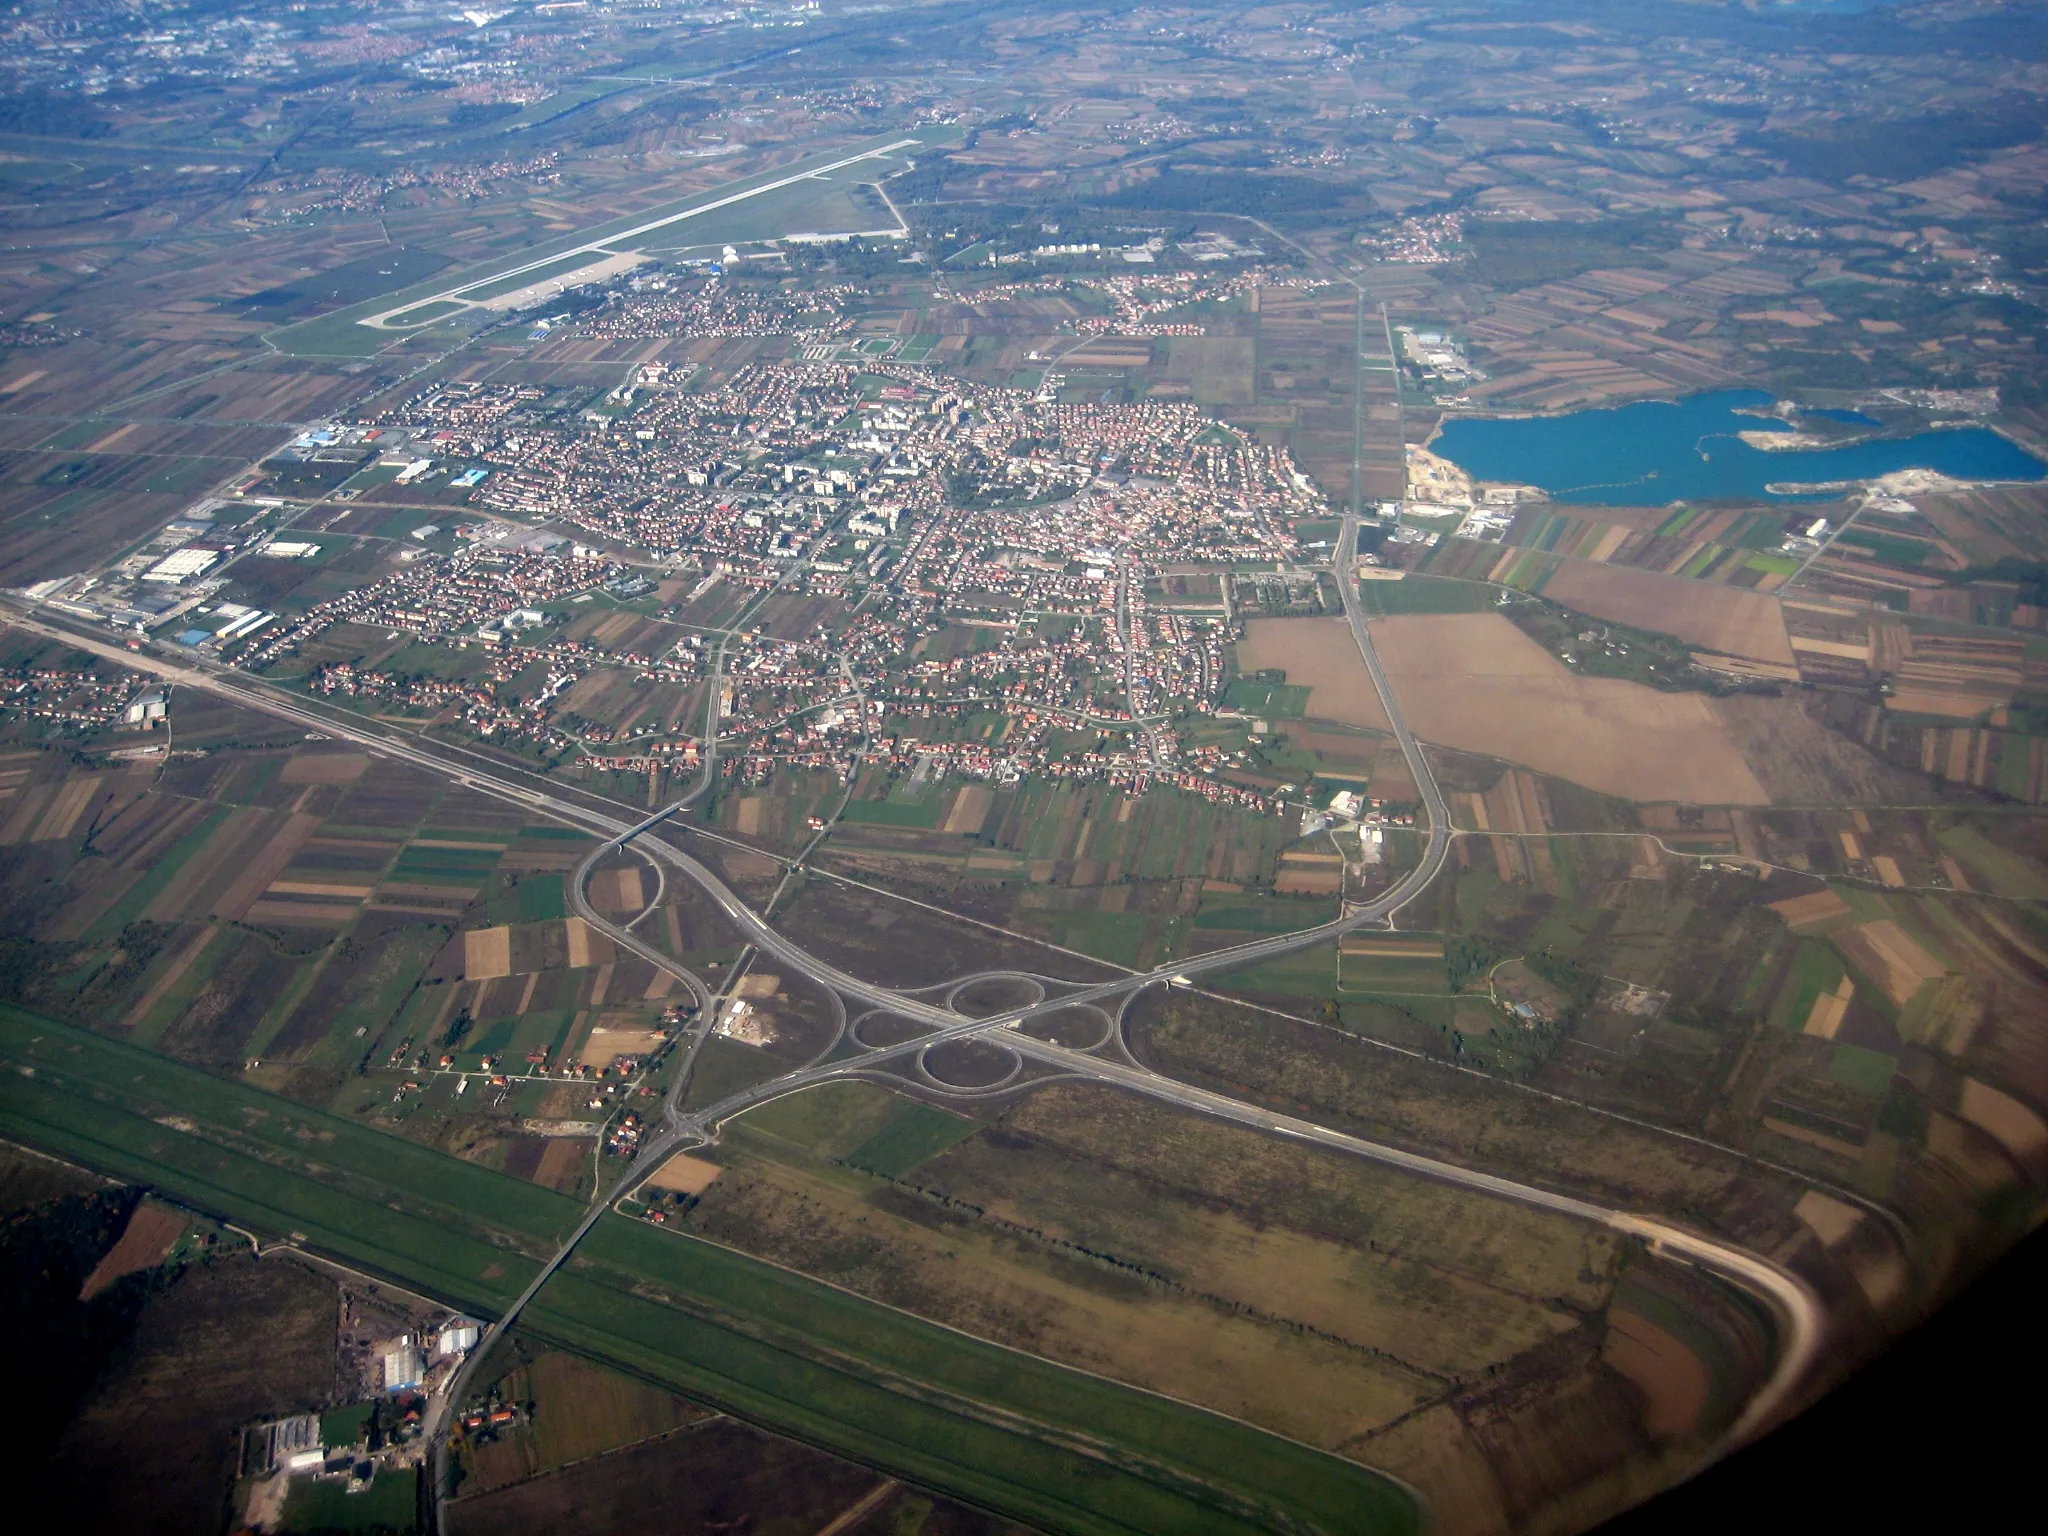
[{"x": 1801, "y": 1316}]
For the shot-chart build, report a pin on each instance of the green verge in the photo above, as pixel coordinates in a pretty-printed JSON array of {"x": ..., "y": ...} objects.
[
  {"x": 561, "y": 266},
  {"x": 1034, "y": 1441}
]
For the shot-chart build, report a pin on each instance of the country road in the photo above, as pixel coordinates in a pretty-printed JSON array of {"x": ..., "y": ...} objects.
[{"x": 1800, "y": 1314}]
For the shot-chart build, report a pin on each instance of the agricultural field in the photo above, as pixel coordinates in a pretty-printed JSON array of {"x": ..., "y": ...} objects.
[
  {"x": 1475, "y": 683},
  {"x": 1091, "y": 868},
  {"x": 1079, "y": 1226},
  {"x": 957, "y": 528},
  {"x": 218, "y": 1345},
  {"x": 1359, "y": 1086},
  {"x": 1315, "y": 654},
  {"x": 1726, "y": 621},
  {"x": 570, "y": 1411},
  {"x": 137, "y": 1316},
  {"x": 1826, "y": 989},
  {"x": 679, "y": 1312},
  {"x": 353, "y": 934},
  {"x": 719, "y": 1472},
  {"x": 1963, "y": 554},
  {"x": 1734, "y": 546}
]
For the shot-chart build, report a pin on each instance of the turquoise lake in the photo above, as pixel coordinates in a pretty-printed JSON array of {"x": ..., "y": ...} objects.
[{"x": 1657, "y": 451}]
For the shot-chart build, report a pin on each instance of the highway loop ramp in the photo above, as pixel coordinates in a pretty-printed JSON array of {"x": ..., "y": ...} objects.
[
  {"x": 878, "y": 1029},
  {"x": 992, "y": 992},
  {"x": 1079, "y": 1027},
  {"x": 969, "y": 1065}
]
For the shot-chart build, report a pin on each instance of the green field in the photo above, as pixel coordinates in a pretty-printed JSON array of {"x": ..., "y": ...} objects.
[
  {"x": 1282, "y": 701},
  {"x": 1864, "y": 1070},
  {"x": 445, "y": 866},
  {"x": 1117, "y": 937},
  {"x": 914, "y": 1134},
  {"x": 1394, "y": 975},
  {"x": 426, "y": 314},
  {"x": 1816, "y": 969},
  {"x": 1271, "y": 914},
  {"x": 819, "y": 207},
  {"x": 1056, "y": 1448},
  {"x": 1308, "y": 972},
  {"x": 540, "y": 897},
  {"x": 895, "y": 813},
  {"x": 2009, "y": 873},
  {"x": 1424, "y": 594},
  {"x": 831, "y": 1119},
  {"x": 388, "y": 1504}
]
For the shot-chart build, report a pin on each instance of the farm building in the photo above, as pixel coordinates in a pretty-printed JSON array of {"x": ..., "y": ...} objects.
[{"x": 404, "y": 1364}]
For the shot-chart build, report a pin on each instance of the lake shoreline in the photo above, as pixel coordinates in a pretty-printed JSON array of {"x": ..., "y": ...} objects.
[{"x": 1655, "y": 452}]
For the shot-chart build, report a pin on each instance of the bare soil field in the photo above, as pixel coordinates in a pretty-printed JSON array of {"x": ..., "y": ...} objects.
[
  {"x": 487, "y": 952},
  {"x": 1890, "y": 956},
  {"x": 606, "y": 1046},
  {"x": 685, "y": 1174},
  {"x": 563, "y": 1164},
  {"x": 324, "y": 768},
  {"x": 2008, "y": 1122},
  {"x": 1316, "y": 654},
  {"x": 268, "y": 863},
  {"x": 152, "y": 1231},
  {"x": 618, "y": 890},
  {"x": 1810, "y": 911},
  {"x": 225, "y": 853},
  {"x": 1731, "y": 620},
  {"x": 1673, "y": 1381},
  {"x": 969, "y": 810},
  {"x": 1475, "y": 682}
]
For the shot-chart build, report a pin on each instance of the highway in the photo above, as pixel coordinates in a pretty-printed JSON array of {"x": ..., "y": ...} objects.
[{"x": 1801, "y": 1316}]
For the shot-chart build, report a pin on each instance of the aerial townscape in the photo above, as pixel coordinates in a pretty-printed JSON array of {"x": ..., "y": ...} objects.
[{"x": 1007, "y": 766}]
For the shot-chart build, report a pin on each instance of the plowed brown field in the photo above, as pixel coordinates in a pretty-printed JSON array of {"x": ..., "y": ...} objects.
[
  {"x": 1475, "y": 682},
  {"x": 1731, "y": 620},
  {"x": 1316, "y": 654}
]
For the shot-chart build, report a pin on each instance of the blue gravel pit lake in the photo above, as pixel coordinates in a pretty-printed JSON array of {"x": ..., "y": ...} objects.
[{"x": 1659, "y": 451}]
